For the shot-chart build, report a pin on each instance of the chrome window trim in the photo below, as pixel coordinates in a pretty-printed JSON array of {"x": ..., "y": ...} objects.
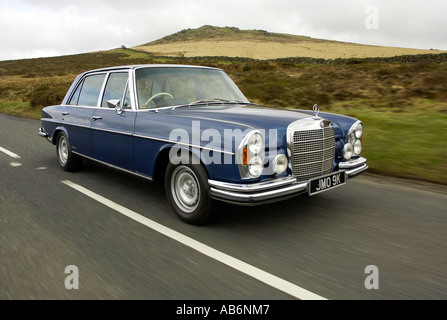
[
  {"x": 101, "y": 94},
  {"x": 103, "y": 89},
  {"x": 82, "y": 81},
  {"x": 128, "y": 71},
  {"x": 156, "y": 109}
]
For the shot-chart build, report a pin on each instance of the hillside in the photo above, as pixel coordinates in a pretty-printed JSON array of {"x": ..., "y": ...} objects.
[
  {"x": 210, "y": 41},
  {"x": 401, "y": 100}
]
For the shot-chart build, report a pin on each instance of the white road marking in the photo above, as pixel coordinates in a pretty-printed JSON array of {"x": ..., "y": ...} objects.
[
  {"x": 15, "y": 164},
  {"x": 9, "y": 153},
  {"x": 237, "y": 264},
  {"x": 41, "y": 168}
]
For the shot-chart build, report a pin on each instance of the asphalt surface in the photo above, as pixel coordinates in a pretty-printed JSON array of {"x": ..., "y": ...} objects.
[{"x": 321, "y": 244}]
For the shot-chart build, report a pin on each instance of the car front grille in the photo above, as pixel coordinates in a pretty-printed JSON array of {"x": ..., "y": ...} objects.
[{"x": 313, "y": 153}]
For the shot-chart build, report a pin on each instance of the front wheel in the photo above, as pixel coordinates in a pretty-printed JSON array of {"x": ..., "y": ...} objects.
[{"x": 187, "y": 190}]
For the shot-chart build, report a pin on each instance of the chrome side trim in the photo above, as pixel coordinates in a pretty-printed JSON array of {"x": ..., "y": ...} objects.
[
  {"x": 114, "y": 167},
  {"x": 73, "y": 124},
  {"x": 184, "y": 144},
  {"x": 112, "y": 131},
  {"x": 146, "y": 137}
]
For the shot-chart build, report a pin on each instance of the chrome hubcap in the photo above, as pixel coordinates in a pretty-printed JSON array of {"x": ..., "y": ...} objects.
[
  {"x": 63, "y": 150},
  {"x": 185, "y": 189}
]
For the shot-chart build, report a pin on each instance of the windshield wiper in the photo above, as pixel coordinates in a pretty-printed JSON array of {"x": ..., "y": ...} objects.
[
  {"x": 216, "y": 100},
  {"x": 210, "y": 100}
]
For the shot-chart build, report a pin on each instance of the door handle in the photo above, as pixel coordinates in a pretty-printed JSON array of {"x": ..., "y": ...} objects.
[
  {"x": 94, "y": 118},
  {"x": 65, "y": 113}
]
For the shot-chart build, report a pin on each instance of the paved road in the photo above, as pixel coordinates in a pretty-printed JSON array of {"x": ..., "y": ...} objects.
[{"x": 321, "y": 244}]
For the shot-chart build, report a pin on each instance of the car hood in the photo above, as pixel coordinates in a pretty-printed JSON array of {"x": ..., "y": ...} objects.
[{"x": 256, "y": 117}]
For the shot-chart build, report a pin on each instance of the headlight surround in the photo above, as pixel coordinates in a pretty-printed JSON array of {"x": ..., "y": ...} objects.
[
  {"x": 354, "y": 139},
  {"x": 250, "y": 155},
  {"x": 280, "y": 163}
]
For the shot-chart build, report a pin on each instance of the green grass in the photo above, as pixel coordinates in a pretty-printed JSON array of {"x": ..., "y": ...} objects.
[
  {"x": 22, "y": 109},
  {"x": 227, "y": 33},
  {"x": 402, "y": 105},
  {"x": 410, "y": 144}
]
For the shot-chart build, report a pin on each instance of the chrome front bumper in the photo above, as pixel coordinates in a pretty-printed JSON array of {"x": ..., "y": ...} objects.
[{"x": 273, "y": 190}]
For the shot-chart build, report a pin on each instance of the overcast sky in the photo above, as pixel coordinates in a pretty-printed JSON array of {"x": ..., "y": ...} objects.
[{"x": 42, "y": 28}]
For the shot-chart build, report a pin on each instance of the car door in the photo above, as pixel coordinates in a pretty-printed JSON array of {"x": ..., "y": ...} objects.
[
  {"x": 112, "y": 132},
  {"x": 77, "y": 116}
]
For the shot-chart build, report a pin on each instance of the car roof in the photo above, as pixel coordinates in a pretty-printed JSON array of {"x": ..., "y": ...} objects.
[{"x": 138, "y": 66}]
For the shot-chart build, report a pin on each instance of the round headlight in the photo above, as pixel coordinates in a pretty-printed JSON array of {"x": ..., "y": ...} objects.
[
  {"x": 350, "y": 138},
  {"x": 280, "y": 163},
  {"x": 255, "y": 143},
  {"x": 255, "y": 166},
  {"x": 357, "y": 147},
  {"x": 348, "y": 150},
  {"x": 359, "y": 131}
]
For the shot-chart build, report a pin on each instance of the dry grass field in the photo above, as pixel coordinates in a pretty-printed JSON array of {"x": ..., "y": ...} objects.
[
  {"x": 210, "y": 41},
  {"x": 274, "y": 50}
]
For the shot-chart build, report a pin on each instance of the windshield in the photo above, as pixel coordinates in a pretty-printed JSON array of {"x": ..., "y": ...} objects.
[{"x": 173, "y": 86}]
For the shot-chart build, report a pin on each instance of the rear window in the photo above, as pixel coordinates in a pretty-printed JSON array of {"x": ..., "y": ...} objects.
[{"x": 89, "y": 92}]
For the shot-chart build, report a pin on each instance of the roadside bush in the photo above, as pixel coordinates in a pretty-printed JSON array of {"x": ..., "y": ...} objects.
[{"x": 47, "y": 95}]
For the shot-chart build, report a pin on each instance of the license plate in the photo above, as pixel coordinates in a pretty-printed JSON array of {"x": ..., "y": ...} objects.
[{"x": 326, "y": 182}]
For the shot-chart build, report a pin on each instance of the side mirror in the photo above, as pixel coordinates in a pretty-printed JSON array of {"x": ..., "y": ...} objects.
[{"x": 115, "y": 104}]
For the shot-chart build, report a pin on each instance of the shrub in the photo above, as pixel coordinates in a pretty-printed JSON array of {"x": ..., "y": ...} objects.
[{"x": 47, "y": 95}]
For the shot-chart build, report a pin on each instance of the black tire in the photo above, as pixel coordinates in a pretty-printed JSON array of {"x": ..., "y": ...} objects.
[
  {"x": 67, "y": 160},
  {"x": 187, "y": 188}
]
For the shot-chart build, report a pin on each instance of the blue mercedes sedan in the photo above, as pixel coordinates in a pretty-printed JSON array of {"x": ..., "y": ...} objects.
[{"x": 193, "y": 129}]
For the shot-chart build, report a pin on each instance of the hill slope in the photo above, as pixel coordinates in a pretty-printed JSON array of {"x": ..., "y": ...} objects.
[{"x": 262, "y": 45}]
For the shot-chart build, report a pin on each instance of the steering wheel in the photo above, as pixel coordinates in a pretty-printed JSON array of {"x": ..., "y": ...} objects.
[{"x": 157, "y": 95}]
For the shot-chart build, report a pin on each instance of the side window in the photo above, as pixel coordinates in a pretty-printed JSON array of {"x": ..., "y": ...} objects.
[
  {"x": 90, "y": 90},
  {"x": 115, "y": 87},
  {"x": 75, "y": 97},
  {"x": 127, "y": 98}
]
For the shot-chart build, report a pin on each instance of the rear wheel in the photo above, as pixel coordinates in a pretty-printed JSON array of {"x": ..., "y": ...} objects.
[
  {"x": 67, "y": 160},
  {"x": 187, "y": 190}
]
